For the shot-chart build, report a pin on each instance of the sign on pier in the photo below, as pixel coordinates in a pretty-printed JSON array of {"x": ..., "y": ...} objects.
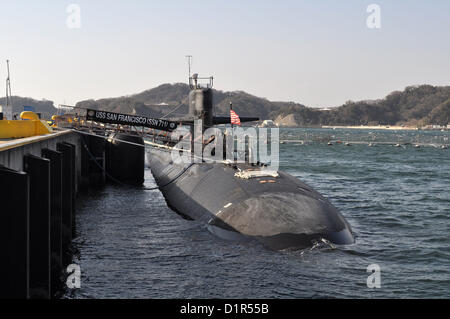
[{"x": 126, "y": 119}]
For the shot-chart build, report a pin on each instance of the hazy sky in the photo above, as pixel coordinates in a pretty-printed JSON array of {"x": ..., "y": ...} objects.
[{"x": 319, "y": 53}]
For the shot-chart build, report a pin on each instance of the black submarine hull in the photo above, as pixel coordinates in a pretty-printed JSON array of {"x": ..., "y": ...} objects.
[{"x": 281, "y": 212}]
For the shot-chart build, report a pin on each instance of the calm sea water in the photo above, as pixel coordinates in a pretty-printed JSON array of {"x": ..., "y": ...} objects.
[{"x": 397, "y": 199}]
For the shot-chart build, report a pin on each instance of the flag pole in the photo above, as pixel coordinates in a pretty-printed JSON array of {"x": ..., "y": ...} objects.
[
  {"x": 231, "y": 109},
  {"x": 232, "y": 130}
]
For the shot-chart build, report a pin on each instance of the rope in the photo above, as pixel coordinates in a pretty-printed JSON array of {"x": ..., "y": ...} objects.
[
  {"x": 105, "y": 137},
  {"x": 151, "y": 144},
  {"x": 99, "y": 166},
  {"x": 180, "y": 105},
  {"x": 178, "y": 175},
  {"x": 124, "y": 184},
  {"x": 146, "y": 142}
]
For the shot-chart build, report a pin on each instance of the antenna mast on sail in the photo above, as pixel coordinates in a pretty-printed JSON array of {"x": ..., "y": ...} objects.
[
  {"x": 189, "y": 59},
  {"x": 8, "y": 86},
  {"x": 9, "y": 104}
]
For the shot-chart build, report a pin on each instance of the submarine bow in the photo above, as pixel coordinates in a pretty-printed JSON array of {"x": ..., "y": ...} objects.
[{"x": 281, "y": 214}]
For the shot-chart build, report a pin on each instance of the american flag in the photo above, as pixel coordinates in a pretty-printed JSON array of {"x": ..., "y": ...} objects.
[{"x": 235, "y": 118}]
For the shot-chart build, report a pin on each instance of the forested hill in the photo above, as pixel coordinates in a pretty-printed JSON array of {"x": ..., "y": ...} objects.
[
  {"x": 415, "y": 105},
  {"x": 45, "y": 107},
  {"x": 168, "y": 97}
]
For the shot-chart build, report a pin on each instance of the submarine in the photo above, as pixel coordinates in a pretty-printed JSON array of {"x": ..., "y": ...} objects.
[{"x": 242, "y": 199}]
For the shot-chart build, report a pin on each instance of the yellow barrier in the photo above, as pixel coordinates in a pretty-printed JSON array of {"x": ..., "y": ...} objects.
[
  {"x": 28, "y": 115},
  {"x": 19, "y": 129}
]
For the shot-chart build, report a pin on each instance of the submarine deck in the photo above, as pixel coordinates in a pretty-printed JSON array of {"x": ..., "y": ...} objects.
[{"x": 261, "y": 206}]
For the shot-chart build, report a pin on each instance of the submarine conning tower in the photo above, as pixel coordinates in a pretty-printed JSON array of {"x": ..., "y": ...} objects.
[
  {"x": 201, "y": 107},
  {"x": 201, "y": 101}
]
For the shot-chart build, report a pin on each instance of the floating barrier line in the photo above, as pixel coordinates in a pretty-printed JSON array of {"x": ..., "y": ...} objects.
[{"x": 365, "y": 143}]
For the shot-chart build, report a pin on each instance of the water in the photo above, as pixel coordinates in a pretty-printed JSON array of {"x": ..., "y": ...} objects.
[{"x": 131, "y": 245}]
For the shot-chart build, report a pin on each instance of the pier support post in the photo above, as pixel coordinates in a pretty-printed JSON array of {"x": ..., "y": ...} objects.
[
  {"x": 126, "y": 159},
  {"x": 14, "y": 240},
  {"x": 96, "y": 152},
  {"x": 84, "y": 176},
  {"x": 56, "y": 162},
  {"x": 73, "y": 158},
  {"x": 67, "y": 199},
  {"x": 38, "y": 169}
]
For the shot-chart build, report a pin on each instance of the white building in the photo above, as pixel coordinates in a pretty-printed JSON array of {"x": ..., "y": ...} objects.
[
  {"x": 7, "y": 112},
  {"x": 267, "y": 123}
]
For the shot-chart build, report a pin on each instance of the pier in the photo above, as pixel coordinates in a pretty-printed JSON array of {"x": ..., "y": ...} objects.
[{"x": 40, "y": 179}]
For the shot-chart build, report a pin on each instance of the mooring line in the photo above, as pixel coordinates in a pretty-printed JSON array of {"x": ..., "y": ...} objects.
[{"x": 122, "y": 183}]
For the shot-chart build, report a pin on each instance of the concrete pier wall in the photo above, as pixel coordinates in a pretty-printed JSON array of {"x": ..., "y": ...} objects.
[
  {"x": 12, "y": 152},
  {"x": 39, "y": 180}
]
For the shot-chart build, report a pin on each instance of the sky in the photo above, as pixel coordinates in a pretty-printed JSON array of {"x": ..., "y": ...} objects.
[{"x": 319, "y": 53}]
